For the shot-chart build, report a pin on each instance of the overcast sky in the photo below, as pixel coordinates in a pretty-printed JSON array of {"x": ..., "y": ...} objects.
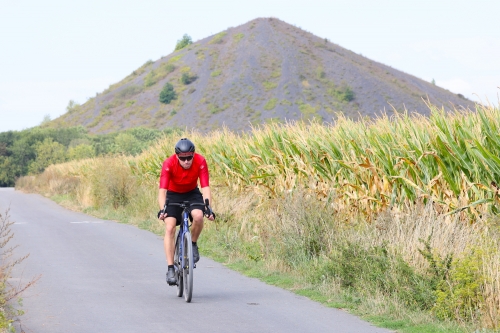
[{"x": 54, "y": 51}]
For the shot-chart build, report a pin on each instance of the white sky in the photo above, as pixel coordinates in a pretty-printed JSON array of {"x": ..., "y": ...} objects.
[{"x": 53, "y": 51}]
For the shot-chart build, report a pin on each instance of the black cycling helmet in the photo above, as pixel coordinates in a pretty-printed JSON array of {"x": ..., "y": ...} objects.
[{"x": 184, "y": 145}]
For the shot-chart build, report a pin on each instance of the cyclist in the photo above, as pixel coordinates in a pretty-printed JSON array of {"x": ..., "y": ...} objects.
[{"x": 179, "y": 182}]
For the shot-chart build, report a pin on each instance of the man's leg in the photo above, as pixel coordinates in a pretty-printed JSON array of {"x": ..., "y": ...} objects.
[
  {"x": 196, "y": 229},
  {"x": 168, "y": 240},
  {"x": 197, "y": 226},
  {"x": 169, "y": 244}
]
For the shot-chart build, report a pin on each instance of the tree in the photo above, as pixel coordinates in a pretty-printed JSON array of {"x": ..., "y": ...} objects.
[
  {"x": 72, "y": 106},
  {"x": 46, "y": 120},
  {"x": 182, "y": 43},
  {"x": 47, "y": 152},
  {"x": 167, "y": 94},
  {"x": 81, "y": 151},
  {"x": 126, "y": 143},
  {"x": 9, "y": 171}
]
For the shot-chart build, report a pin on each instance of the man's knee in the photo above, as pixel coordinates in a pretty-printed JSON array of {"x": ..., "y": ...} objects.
[
  {"x": 197, "y": 215},
  {"x": 170, "y": 226}
]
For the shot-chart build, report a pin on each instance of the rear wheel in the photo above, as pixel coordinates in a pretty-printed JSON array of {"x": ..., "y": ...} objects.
[
  {"x": 177, "y": 264},
  {"x": 188, "y": 267}
]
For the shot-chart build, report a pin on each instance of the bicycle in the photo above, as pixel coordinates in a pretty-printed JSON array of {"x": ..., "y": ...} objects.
[{"x": 184, "y": 264}]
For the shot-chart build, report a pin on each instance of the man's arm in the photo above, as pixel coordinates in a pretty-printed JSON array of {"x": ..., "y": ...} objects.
[
  {"x": 161, "y": 197},
  {"x": 161, "y": 202},
  {"x": 206, "y": 194}
]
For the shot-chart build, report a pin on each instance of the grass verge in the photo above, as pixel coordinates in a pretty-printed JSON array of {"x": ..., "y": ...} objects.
[{"x": 345, "y": 269}]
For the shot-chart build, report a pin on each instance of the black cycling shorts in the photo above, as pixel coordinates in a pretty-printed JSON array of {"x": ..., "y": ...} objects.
[{"x": 193, "y": 196}]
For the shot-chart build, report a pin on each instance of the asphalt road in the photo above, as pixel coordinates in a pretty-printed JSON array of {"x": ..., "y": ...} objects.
[{"x": 103, "y": 276}]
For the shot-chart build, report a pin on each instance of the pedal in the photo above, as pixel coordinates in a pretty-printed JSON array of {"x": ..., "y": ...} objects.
[{"x": 194, "y": 266}]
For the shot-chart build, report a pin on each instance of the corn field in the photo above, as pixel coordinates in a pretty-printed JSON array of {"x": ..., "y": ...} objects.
[{"x": 449, "y": 159}]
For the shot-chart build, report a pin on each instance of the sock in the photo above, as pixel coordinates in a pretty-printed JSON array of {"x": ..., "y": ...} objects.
[
  {"x": 194, "y": 243},
  {"x": 170, "y": 266}
]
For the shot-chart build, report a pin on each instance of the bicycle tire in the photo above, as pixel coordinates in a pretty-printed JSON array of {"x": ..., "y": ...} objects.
[
  {"x": 178, "y": 268},
  {"x": 188, "y": 268}
]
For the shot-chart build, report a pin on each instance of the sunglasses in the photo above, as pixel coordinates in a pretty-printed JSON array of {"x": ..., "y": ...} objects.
[{"x": 185, "y": 158}]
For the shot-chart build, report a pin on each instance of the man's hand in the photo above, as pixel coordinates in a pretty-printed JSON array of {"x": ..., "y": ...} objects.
[
  {"x": 209, "y": 214},
  {"x": 161, "y": 215}
]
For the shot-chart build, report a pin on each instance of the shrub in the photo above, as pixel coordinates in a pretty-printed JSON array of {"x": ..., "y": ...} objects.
[
  {"x": 377, "y": 269},
  {"x": 175, "y": 59},
  {"x": 238, "y": 37},
  {"x": 320, "y": 73},
  {"x": 183, "y": 42},
  {"x": 72, "y": 106},
  {"x": 111, "y": 183},
  {"x": 458, "y": 295},
  {"x": 129, "y": 91},
  {"x": 216, "y": 73},
  {"x": 307, "y": 109},
  {"x": 8, "y": 290},
  {"x": 218, "y": 38},
  {"x": 271, "y": 104},
  {"x": 187, "y": 78},
  {"x": 167, "y": 94},
  {"x": 150, "y": 79},
  {"x": 269, "y": 85},
  {"x": 276, "y": 73},
  {"x": 166, "y": 69},
  {"x": 160, "y": 114},
  {"x": 343, "y": 93}
]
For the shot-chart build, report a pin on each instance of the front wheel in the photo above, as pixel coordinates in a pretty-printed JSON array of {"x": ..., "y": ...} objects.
[
  {"x": 188, "y": 267},
  {"x": 177, "y": 264}
]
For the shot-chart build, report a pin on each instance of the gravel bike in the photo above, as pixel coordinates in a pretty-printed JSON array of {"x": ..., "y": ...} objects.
[{"x": 183, "y": 255}]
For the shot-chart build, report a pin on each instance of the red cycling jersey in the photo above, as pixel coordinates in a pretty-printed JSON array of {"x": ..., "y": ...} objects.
[{"x": 177, "y": 179}]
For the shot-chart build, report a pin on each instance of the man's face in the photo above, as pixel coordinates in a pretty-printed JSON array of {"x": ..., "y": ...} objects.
[{"x": 185, "y": 159}]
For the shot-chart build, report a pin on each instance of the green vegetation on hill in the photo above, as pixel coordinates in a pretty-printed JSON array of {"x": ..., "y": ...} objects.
[
  {"x": 31, "y": 151},
  {"x": 183, "y": 42},
  {"x": 168, "y": 93}
]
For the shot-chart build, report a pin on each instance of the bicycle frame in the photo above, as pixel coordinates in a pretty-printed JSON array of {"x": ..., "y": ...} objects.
[{"x": 183, "y": 228}]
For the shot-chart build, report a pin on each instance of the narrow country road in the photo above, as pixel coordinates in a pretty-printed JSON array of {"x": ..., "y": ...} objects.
[{"x": 103, "y": 276}]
